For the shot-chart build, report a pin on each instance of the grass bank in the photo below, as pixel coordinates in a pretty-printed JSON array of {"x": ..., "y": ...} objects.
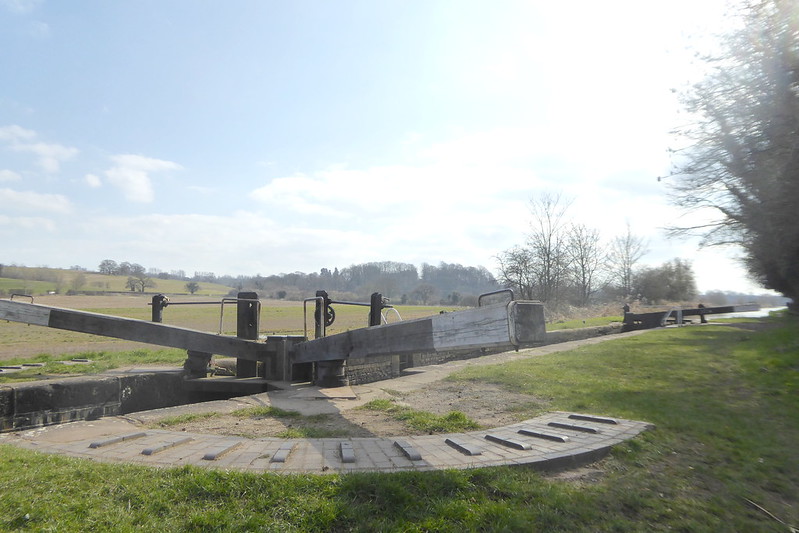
[{"x": 725, "y": 401}]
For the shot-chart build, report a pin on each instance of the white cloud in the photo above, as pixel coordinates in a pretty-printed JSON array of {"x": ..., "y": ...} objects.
[
  {"x": 50, "y": 155},
  {"x": 496, "y": 147},
  {"x": 413, "y": 214},
  {"x": 34, "y": 201},
  {"x": 9, "y": 175},
  {"x": 131, "y": 173},
  {"x": 27, "y": 223},
  {"x": 14, "y": 134},
  {"x": 388, "y": 192},
  {"x": 93, "y": 181}
]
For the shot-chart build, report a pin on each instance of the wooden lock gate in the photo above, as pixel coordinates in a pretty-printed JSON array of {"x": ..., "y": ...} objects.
[{"x": 507, "y": 325}]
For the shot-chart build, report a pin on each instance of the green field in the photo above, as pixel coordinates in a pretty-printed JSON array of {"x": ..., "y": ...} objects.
[
  {"x": 38, "y": 281},
  {"x": 724, "y": 400}
]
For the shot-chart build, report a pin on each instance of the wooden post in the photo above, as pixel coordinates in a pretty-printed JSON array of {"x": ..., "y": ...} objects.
[
  {"x": 196, "y": 364},
  {"x": 158, "y": 303},
  {"x": 330, "y": 373},
  {"x": 376, "y": 309},
  {"x": 247, "y": 328}
]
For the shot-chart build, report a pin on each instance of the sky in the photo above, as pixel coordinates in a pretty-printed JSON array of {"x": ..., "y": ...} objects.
[{"x": 261, "y": 137}]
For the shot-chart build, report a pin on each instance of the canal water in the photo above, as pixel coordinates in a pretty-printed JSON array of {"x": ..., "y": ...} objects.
[{"x": 746, "y": 314}]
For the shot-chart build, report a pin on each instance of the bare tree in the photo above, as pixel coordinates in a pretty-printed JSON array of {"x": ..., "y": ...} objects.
[
  {"x": 516, "y": 272},
  {"x": 587, "y": 258},
  {"x": 539, "y": 269},
  {"x": 625, "y": 253},
  {"x": 741, "y": 164},
  {"x": 547, "y": 242}
]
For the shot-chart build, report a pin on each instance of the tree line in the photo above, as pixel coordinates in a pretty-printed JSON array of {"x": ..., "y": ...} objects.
[
  {"x": 445, "y": 283},
  {"x": 563, "y": 262},
  {"x": 139, "y": 278},
  {"x": 403, "y": 283}
]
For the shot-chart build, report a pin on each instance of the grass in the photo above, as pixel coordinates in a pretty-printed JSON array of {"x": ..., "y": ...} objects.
[
  {"x": 311, "y": 433},
  {"x": 583, "y": 323},
  {"x": 98, "y": 362},
  {"x": 169, "y": 421},
  {"x": 264, "y": 411},
  {"x": 19, "y": 286},
  {"x": 725, "y": 401},
  {"x": 423, "y": 421}
]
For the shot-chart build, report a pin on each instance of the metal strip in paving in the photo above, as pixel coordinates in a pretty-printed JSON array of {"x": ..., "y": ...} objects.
[
  {"x": 408, "y": 450},
  {"x": 165, "y": 446},
  {"x": 116, "y": 440},
  {"x": 573, "y": 427},
  {"x": 591, "y": 418},
  {"x": 347, "y": 453},
  {"x": 463, "y": 447},
  {"x": 219, "y": 451},
  {"x": 543, "y": 435},
  {"x": 509, "y": 442},
  {"x": 283, "y": 452}
]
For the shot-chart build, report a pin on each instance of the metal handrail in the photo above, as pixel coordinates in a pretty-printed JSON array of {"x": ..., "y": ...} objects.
[
  {"x": 385, "y": 315},
  {"x": 500, "y": 291},
  {"x": 221, "y": 303},
  {"x": 236, "y": 301},
  {"x": 319, "y": 300}
]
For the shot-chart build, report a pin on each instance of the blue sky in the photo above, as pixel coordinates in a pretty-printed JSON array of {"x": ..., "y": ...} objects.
[{"x": 246, "y": 137}]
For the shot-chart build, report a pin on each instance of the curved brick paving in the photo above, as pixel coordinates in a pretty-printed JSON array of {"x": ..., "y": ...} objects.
[{"x": 554, "y": 440}]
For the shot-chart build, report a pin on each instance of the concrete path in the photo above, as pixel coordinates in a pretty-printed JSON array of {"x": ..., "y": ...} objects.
[{"x": 552, "y": 441}]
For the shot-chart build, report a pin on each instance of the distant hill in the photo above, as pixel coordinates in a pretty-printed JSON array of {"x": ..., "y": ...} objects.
[{"x": 43, "y": 280}]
